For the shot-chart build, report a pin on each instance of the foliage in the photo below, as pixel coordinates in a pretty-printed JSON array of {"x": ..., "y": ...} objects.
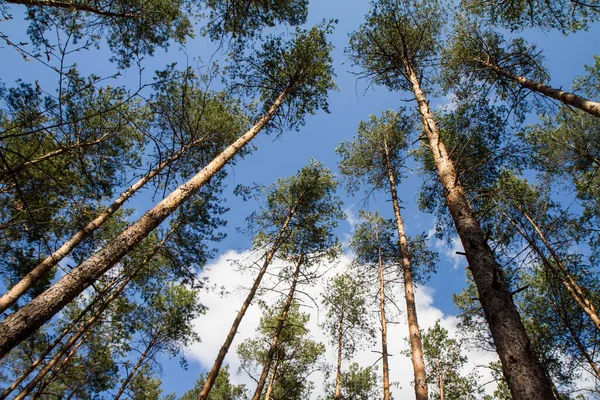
[{"x": 223, "y": 389}]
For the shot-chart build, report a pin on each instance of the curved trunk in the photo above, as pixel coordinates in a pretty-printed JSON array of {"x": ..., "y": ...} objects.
[
  {"x": 275, "y": 341},
  {"x": 37, "y": 273},
  {"x": 570, "y": 99},
  {"x": 416, "y": 346},
  {"x": 524, "y": 374},
  {"x": 383, "y": 321},
  {"x": 19, "y": 325},
  {"x": 214, "y": 371}
]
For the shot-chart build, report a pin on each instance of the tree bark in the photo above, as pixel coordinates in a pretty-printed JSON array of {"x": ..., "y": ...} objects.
[
  {"x": 441, "y": 385},
  {"x": 214, "y": 372},
  {"x": 275, "y": 341},
  {"x": 338, "y": 374},
  {"x": 19, "y": 325},
  {"x": 383, "y": 321},
  {"x": 416, "y": 346},
  {"x": 103, "y": 306},
  {"x": 73, "y": 6},
  {"x": 271, "y": 385},
  {"x": 10, "y": 297},
  {"x": 524, "y": 374},
  {"x": 570, "y": 99}
]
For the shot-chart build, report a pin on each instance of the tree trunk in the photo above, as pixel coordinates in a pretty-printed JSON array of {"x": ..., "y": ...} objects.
[
  {"x": 74, "y": 6},
  {"x": 416, "y": 346},
  {"x": 19, "y": 325},
  {"x": 524, "y": 374},
  {"x": 383, "y": 321},
  {"x": 562, "y": 273},
  {"x": 272, "y": 380},
  {"x": 132, "y": 373},
  {"x": 441, "y": 384},
  {"x": 103, "y": 306},
  {"x": 59, "y": 368},
  {"x": 567, "y": 279},
  {"x": 570, "y": 99},
  {"x": 214, "y": 372},
  {"x": 275, "y": 341},
  {"x": 37, "y": 273},
  {"x": 338, "y": 374}
]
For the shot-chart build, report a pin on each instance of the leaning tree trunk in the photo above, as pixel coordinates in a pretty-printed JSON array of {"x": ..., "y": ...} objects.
[
  {"x": 271, "y": 385},
  {"x": 570, "y": 99},
  {"x": 82, "y": 330},
  {"x": 338, "y": 374},
  {"x": 524, "y": 374},
  {"x": 383, "y": 321},
  {"x": 559, "y": 269},
  {"x": 135, "y": 368},
  {"x": 275, "y": 341},
  {"x": 37, "y": 273},
  {"x": 214, "y": 372},
  {"x": 416, "y": 346},
  {"x": 19, "y": 325}
]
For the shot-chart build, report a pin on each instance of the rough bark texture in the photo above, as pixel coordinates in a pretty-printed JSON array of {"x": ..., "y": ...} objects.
[
  {"x": 19, "y": 325},
  {"x": 590, "y": 107},
  {"x": 416, "y": 345},
  {"x": 214, "y": 372},
  {"x": 10, "y": 297},
  {"x": 383, "y": 321},
  {"x": 523, "y": 372},
  {"x": 275, "y": 341},
  {"x": 84, "y": 328},
  {"x": 73, "y": 6}
]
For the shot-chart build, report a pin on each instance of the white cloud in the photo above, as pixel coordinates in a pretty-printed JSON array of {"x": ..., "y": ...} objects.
[{"x": 214, "y": 326}]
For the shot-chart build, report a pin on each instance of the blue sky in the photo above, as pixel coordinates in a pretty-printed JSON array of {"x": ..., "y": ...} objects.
[{"x": 284, "y": 155}]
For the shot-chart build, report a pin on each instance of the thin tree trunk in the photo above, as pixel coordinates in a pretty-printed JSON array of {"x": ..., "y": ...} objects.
[
  {"x": 411, "y": 310},
  {"x": 47, "y": 156},
  {"x": 275, "y": 341},
  {"x": 562, "y": 273},
  {"x": 19, "y": 325},
  {"x": 570, "y": 99},
  {"x": 104, "y": 305},
  {"x": 37, "y": 273},
  {"x": 580, "y": 345},
  {"x": 214, "y": 371},
  {"x": 441, "y": 385},
  {"x": 568, "y": 281},
  {"x": 338, "y": 374},
  {"x": 132, "y": 373},
  {"x": 74, "y": 6},
  {"x": 66, "y": 351},
  {"x": 64, "y": 362},
  {"x": 272, "y": 380},
  {"x": 383, "y": 321},
  {"x": 524, "y": 374}
]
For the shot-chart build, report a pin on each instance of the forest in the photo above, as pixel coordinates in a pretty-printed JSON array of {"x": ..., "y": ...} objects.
[{"x": 294, "y": 199}]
